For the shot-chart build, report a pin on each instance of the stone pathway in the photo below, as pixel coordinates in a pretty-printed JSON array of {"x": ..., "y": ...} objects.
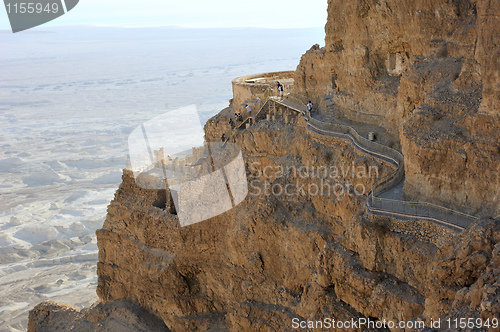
[{"x": 389, "y": 202}]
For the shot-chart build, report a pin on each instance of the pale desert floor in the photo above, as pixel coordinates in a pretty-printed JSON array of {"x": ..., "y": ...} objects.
[{"x": 69, "y": 98}]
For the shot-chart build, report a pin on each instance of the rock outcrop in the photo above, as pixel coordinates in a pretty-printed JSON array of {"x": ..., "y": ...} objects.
[
  {"x": 276, "y": 258},
  {"x": 299, "y": 250},
  {"x": 427, "y": 71},
  {"x": 120, "y": 316},
  {"x": 245, "y": 265}
]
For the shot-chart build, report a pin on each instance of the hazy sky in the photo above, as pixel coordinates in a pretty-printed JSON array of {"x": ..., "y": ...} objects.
[{"x": 193, "y": 13}]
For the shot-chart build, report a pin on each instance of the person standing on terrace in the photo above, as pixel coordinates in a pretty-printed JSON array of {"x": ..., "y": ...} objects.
[{"x": 280, "y": 89}]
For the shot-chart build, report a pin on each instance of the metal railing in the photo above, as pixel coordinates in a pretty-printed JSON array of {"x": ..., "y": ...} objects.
[
  {"x": 265, "y": 100},
  {"x": 367, "y": 146},
  {"x": 421, "y": 210},
  {"x": 302, "y": 99},
  {"x": 295, "y": 100},
  {"x": 377, "y": 205},
  {"x": 396, "y": 208}
]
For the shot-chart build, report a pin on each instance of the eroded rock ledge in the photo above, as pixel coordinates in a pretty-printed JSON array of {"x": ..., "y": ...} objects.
[
  {"x": 274, "y": 258},
  {"x": 426, "y": 72}
]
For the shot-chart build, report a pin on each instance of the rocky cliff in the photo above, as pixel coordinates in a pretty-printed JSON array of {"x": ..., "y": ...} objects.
[
  {"x": 277, "y": 257},
  {"x": 427, "y": 71}
]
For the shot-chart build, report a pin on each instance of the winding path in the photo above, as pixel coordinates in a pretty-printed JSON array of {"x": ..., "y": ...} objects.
[{"x": 383, "y": 199}]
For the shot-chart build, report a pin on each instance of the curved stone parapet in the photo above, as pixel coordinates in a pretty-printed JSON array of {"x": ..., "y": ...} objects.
[{"x": 248, "y": 88}]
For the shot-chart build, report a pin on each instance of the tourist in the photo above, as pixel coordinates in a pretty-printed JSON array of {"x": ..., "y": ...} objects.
[
  {"x": 223, "y": 138},
  {"x": 249, "y": 110},
  {"x": 310, "y": 106},
  {"x": 240, "y": 117},
  {"x": 280, "y": 89},
  {"x": 231, "y": 123}
]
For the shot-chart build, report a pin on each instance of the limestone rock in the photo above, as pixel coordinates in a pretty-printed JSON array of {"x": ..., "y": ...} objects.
[
  {"x": 429, "y": 73},
  {"x": 116, "y": 316}
]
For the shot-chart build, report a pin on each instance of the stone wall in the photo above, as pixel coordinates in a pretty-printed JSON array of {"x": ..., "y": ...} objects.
[
  {"x": 247, "y": 88},
  {"x": 422, "y": 230}
]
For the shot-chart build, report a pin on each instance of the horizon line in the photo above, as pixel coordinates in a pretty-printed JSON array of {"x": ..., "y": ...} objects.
[{"x": 91, "y": 25}]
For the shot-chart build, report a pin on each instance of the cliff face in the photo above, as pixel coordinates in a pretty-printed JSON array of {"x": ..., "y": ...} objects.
[
  {"x": 427, "y": 71},
  {"x": 247, "y": 269},
  {"x": 370, "y": 45},
  {"x": 275, "y": 258}
]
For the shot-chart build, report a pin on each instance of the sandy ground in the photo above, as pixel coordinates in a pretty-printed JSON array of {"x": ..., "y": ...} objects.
[{"x": 69, "y": 98}]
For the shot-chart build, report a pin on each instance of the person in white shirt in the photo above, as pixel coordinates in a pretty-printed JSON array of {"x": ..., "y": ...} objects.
[
  {"x": 249, "y": 109},
  {"x": 309, "y": 107}
]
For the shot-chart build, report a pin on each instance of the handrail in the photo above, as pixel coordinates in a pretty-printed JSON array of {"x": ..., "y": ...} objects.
[
  {"x": 404, "y": 215},
  {"x": 267, "y": 95},
  {"x": 386, "y": 153},
  {"x": 381, "y": 152},
  {"x": 293, "y": 108},
  {"x": 295, "y": 100},
  {"x": 426, "y": 204},
  {"x": 397, "y": 157},
  {"x": 242, "y": 123},
  {"x": 302, "y": 100},
  {"x": 349, "y": 133}
]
